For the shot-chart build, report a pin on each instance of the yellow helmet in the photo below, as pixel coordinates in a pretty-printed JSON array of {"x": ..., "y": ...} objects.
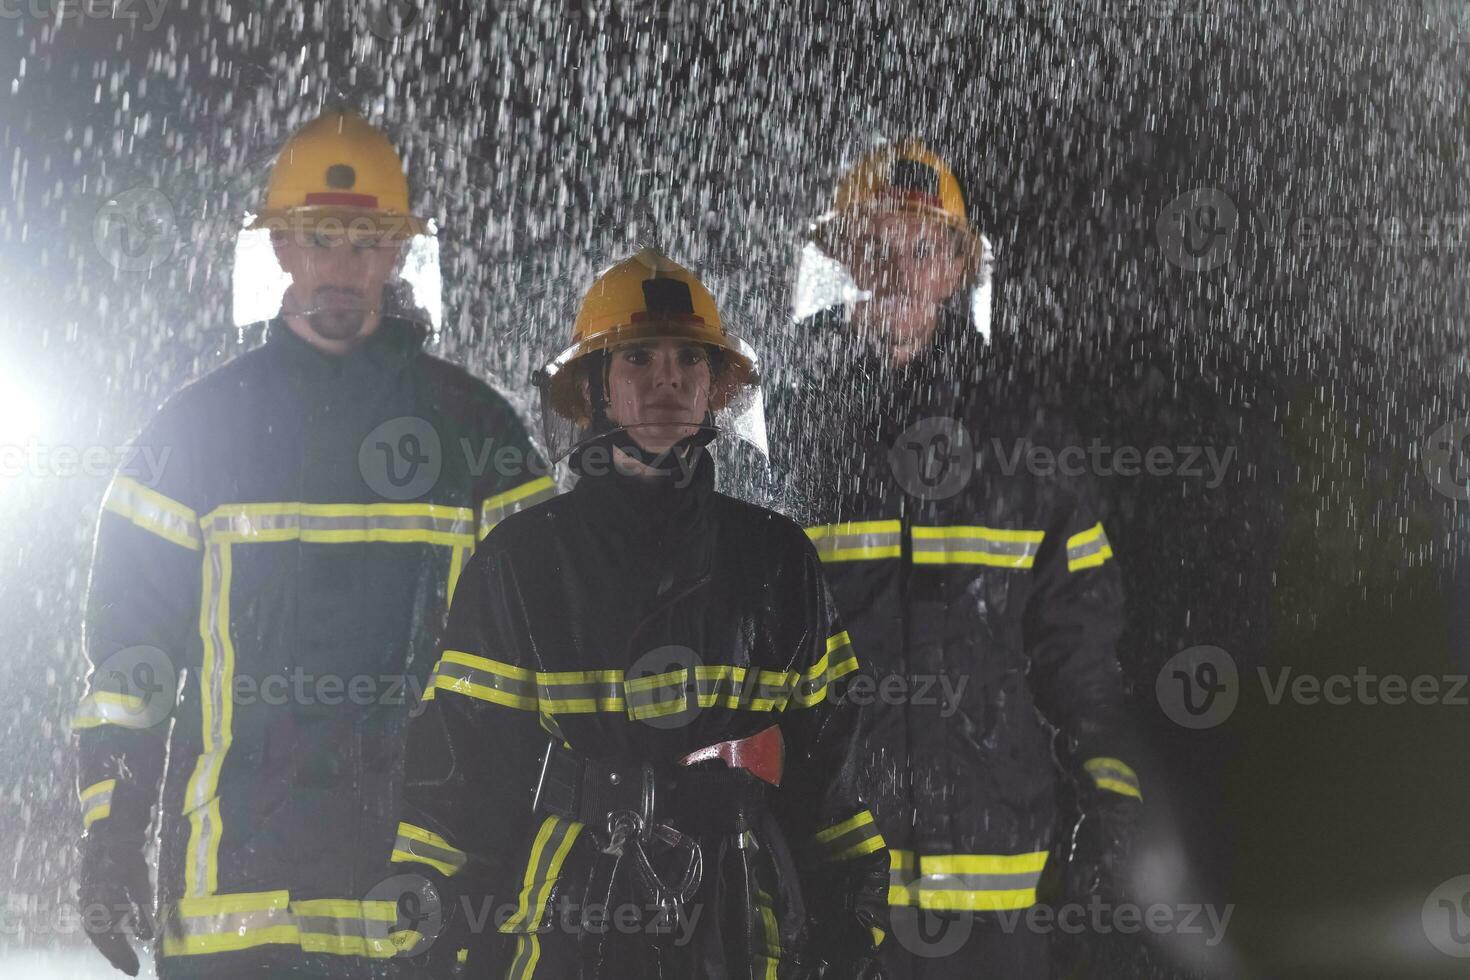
[
  {"x": 645, "y": 297},
  {"x": 339, "y": 171},
  {"x": 905, "y": 176}
]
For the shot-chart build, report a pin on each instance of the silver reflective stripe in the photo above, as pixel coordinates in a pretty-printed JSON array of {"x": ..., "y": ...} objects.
[
  {"x": 528, "y": 951},
  {"x": 1090, "y": 548},
  {"x": 433, "y": 852},
  {"x": 248, "y": 523},
  {"x": 111, "y": 708},
  {"x": 154, "y": 512},
  {"x": 497, "y": 508},
  {"x": 205, "y": 831},
  {"x": 950, "y": 545},
  {"x": 978, "y": 883},
  {"x": 484, "y": 678},
  {"x": 868, "y": 544}
]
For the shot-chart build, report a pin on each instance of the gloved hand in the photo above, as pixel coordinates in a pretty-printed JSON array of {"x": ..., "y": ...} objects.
[
  {"x": 1099, "y": 859},
  {"x": 115, "y": 891},
  {"x": 847, "y": 940}
]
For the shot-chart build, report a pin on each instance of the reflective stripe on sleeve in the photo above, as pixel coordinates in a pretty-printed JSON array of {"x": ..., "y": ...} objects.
[
  {"x": 112, "y": 708},
  {"x": 436, "y": 524},
  {"x": 853, "y": 837},
  {"x": 426, "y": 847},
  {"x": 497, "y": 508},
  {"x": 543, "y": 866},
  {"x": 973, "y": 545},
  {"x": 229, "y": 923},
  {"x": 1088, "y": 549},
  {"x": 964, "y": 882},
  {"x": 1113, "y": 775},
  {"x": 97, "y": 802},
  {"x": 838, "y": 661},
  {"x": 152, "y": 511},
  {"x": 857, "y": 540}
]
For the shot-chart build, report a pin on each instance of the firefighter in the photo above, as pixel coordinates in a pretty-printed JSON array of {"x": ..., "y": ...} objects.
[
  {"x": 262, "y": 607},
  {"x": 636, "y": 757},
  {"x": 977, "y": 577}
]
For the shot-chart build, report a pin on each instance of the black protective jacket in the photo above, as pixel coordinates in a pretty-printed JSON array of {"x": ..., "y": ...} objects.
[
  {"x": 983, "y": 588},
  {"x": 284, "y": 560},
  {"x": 634, "y": 622}
]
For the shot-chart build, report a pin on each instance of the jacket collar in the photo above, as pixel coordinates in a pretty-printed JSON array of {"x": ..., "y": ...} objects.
[{"x": 391, "y": 349}]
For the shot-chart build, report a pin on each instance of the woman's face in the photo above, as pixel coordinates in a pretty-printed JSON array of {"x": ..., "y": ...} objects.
[{"x": 658, "y": 390}]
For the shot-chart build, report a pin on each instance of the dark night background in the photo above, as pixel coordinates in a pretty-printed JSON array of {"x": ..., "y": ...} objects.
[{"x": 1328, "y": 347}]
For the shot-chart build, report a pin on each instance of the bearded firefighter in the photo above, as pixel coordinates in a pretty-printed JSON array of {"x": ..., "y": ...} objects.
[
  {"x": 263, "y": 606},
  {"x": 976, "y": 575},
  {"x": 637, "y": 753}
]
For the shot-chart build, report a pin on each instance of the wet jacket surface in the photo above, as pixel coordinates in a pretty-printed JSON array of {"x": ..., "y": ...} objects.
[
  {"x": 637, "y": 621},
  {"x": 983, "y": 588},
  {"x": 298, "y": 602}
]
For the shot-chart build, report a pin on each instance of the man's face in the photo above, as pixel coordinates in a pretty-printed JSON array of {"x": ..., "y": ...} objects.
[
  {"x": 336, "y": 279},
  {"x": 659, "y": 391},
  {"x": 911, "y": 265}
]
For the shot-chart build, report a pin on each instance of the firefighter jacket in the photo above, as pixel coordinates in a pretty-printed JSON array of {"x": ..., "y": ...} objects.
[
  {"x": 635, "y": 621},
  {"x": 968, "y": 561},
  {"x": 265, "y": 599}
]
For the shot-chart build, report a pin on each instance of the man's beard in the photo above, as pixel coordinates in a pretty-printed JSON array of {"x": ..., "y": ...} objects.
[{"x": 338, "y": 321}]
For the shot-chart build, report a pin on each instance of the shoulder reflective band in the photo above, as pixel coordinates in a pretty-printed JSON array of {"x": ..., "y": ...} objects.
[
  {"x": 543, "y": 866},
  {"x": 497, "y": 508},
  {"x": 97, "y": 802},
  {"x": 964, "y": 882},
  {"x": 973, "y": 545},
  {"x": 1114, "y": 775},
  {"x": 113, "y": 708},
  {"x": 853, "y": 837},
  {"x": 341, "y": 523},
  {"x": 152, "y": 511},
  {"x": 1088, "y": 549},
  {"x": 653, "y": 696},
  {"x": 426, "y": 847},
  {"x": 857, "y": 540},
  {"x": 229, "y": 923}
]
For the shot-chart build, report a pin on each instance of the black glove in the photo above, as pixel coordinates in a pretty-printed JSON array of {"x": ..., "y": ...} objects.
[
  {"x": 1100, "y": 853},
  {"x": 115, "y": 893},
  {"x": 846, "y": 940}
]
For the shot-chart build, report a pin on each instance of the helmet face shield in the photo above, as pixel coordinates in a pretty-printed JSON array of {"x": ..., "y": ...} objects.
[
  {"x": 364, "y": 262},
  {"x": 567, "y": 385}
]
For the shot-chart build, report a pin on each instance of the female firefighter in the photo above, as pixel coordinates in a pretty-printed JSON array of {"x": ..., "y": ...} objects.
[{"x": 635, "y": 757}]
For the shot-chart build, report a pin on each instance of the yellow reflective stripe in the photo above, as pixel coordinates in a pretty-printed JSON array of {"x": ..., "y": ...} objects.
[
  {"x": 391, "y": 523},
  {"x": 1088, "y": 549},
  {"x": 152, "y": 511},
  {"x": 229, "y": 923},
  {"x": 771, "y": 952},
  {"x": 216, "y": 681},
  {"x": 976, "y": 545},
  {"x": 857, "y": 540},
  {"x": 527, "y": 955},
  {"x": 965, "y": 882},
  {"x": 548, "y": 851},
  {"x": 1114, "y": 775},
  {"x": 426, "y": 847},
  {"x": 497, "y": 508},
  {"x": 853, "y": 837},
  {"x": 112, "y": 708},
  {"x": 96, "y": 802},
  {"x": 811, "y": 685},
  {"x": 483, "y": 679}
]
